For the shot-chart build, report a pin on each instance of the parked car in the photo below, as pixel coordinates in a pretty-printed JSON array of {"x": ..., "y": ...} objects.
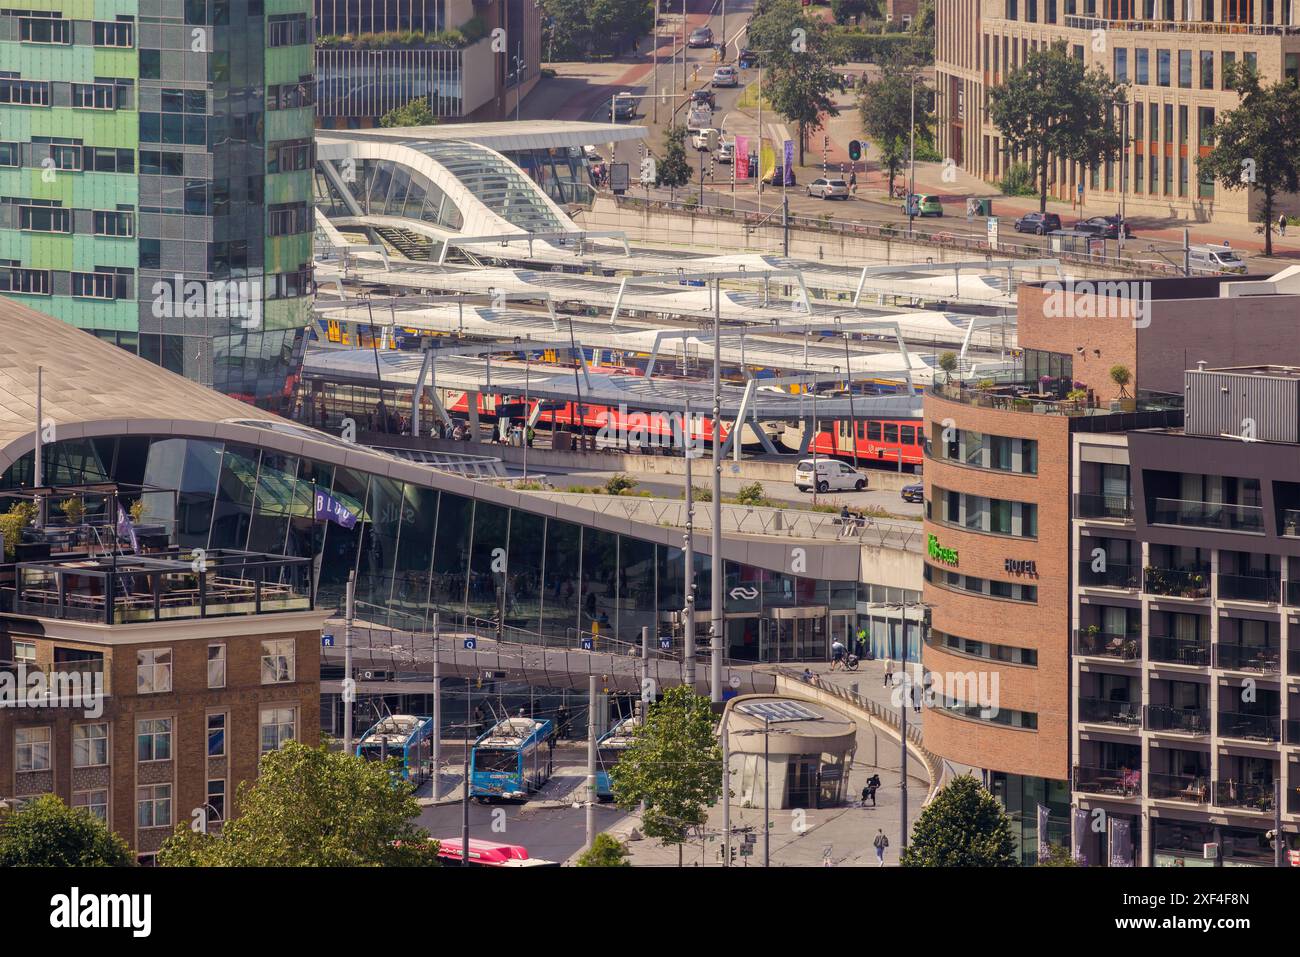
[
  {"x": 922, "y": 205},
  {"x": 913, "y": 493},
  {"x": 623, "y": 107},
  {"x": 1038, "y": 223},
  {"x": 1107, "y": 227},
  {"x": 703, "y": 97},
  {"x": 700, "y": 138},
  {"x": 726, "y": 153},
  {"x": 725, "y": 75},
  {"x": 828, "y": 188},
  {"x": 831, "y": 475},
  {"x": 747, "y": 59},
  {"x": 776, "y": 180},
  {"x": 1216, "y": 259},
  {"x": 700, "y": 37}
]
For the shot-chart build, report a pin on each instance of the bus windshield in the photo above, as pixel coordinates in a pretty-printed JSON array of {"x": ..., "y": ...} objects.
[{"x": 496, "y": 760}]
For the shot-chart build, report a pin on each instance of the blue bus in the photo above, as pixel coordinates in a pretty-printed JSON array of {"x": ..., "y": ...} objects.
[
  {"x": 407, "y": 737},
  {"x": 609, "y": 749},
  {"x": 512, "y": 759}
]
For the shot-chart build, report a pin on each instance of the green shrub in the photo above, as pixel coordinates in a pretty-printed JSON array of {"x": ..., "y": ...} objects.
[
  {"x": 1019, "y": 181},
  {"x": 618, "y": 484}
]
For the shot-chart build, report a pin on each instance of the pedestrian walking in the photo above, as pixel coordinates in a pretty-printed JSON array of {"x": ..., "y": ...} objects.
[
  {"x": 880, "y": 843},
  {"x": 1281, "y": 224},
  {"x": 889, "y": 671},
  {"x": 853, "y": 183},
  {"x": 562, "y": 721},
  {"x": 873, "y": 785}
]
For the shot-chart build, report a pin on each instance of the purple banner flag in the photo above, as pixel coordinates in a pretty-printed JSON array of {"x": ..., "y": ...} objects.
[
  {"x": 1078, "y": 834},
  {"x": 1044, "y": 845},
  {"x": 330, "y": 509},
  {"x": 787, "y": 164},
  {"x": 1121, "y": 843},
  {"x": 125, "y": 528}
]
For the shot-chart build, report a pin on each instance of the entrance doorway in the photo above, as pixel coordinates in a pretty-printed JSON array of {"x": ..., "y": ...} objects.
[{"x": 795, "y": 634}]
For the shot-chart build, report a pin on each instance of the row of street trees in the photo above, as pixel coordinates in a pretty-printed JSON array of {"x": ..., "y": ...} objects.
[{"x": 576, "y": 29}]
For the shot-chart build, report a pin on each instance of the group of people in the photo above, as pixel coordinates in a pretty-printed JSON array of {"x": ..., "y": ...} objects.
[{"x": 514, "y": 433}]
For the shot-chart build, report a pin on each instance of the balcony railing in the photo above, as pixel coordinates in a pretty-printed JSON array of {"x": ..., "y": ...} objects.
[
  {"x": 1124, "y": 714},
  {"x": 1250, "y": 727},
  {"x": 1263, "y": 659},
  {"x": 1179, "y": 651},
  {"x": 1292, "y": 729},
  {"x": 1116, "y": 782},
  {"x": 1163, "y": 717},
  {"x": 1112, "y": 576},
  {"x": 1250, "y": 588},
  {"x": 1255, "y": 797},
  {"x": 1117, "y": 508},
  {"x": 1190, "y": 788},
  {"x": 1222, "y": 515},
  {"x": 1195, "y": 27},
  {"x": 1100, "y": 644},
  {"x": 1176, "y": 582}
]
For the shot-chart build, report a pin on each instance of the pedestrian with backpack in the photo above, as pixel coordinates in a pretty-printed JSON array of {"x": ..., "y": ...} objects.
[{"x": 881, "y": 842}]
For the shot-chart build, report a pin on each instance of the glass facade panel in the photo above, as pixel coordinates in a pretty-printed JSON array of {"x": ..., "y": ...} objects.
[
  {"x": 636, "y": 587},
  {"x": 599, "y": 598},
  {"x": 524, "y": 570},
  {"x": 487, "y": 568},
  {"x": 379, "y": 543},
  {"x": 410, "y": 592},
  {"x": 233, "y": 510},
  {"x": 450, "y": 554},
  {"x": 272, "y": 503},
  {"x": 561, "y": 577},
  {"x": 190, "y": 467},
  {"x": 339, "y": 545}
]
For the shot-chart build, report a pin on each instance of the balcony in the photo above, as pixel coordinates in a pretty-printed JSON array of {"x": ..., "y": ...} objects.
[
  {"x": 1186, "y": 27},
  {"x": 1163, "y": 717},
  {"x": 1176, "y": 582},
  {"x": 1188, "y": 788},
  {"x": 1100, "y": 644},
  {"x": 159, "y": 586},
  {"x": 1178, "y": 651},
  {"x": 1250, "y": 727},
  {"x": 1114, "y": 508},
  {"x": 1293, "y": 593},
  {"x": 1219, "y": 515},
  {"x": 1248, "y": 797},
  {"x": 1120, "y": 714},
  {"x": 1292, "y": 729},
  {"x": 1113, "y": 782},
  {"x": 1250, "y": 588},
  {"x": 1262, "y": 659},
  {"x": 1112, "y": 576}
]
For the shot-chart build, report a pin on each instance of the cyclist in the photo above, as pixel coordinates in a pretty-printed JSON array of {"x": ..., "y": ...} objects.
[{"x": 837, "y": 653}]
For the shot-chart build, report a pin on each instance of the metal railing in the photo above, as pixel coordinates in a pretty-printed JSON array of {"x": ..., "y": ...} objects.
[
  {"x": 1101, "y": 644},
  {"x": 1115, "y": 782},
  {"x": 1178, "y": 651},
  {"x": 1222, "y": 515},
  {"x": 1113, "y": 575},
  {"x": 1176, "y": 582},
  {"x": 1250, "y": 727},
  {"x": 1262, "y": 658},
  {"x": 1198, "y": 27},
  {"x": 1259, "y": 588},
  {"x": 1163, "y": 717},
  {"x": 1124, "y": 714},
  {"x": 1256, "y": 797},
  {"x": 1189, "y": 788},
  {"x": 1114, "y": 507}
]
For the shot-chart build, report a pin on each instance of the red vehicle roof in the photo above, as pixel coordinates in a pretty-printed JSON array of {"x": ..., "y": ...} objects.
[{"x": 489, "y": 853}]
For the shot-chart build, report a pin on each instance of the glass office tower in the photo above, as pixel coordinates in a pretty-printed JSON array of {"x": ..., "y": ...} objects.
[{"x": 155, "y": 179}]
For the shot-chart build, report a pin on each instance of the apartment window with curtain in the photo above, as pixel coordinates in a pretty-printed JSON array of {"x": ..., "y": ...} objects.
[
  {"x": 1207, "y": 69},
  {"x": 1142, "y": 66}
]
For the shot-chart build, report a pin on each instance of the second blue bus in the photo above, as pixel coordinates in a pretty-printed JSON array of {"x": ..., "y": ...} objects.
[{"x": 512, "y": 760}]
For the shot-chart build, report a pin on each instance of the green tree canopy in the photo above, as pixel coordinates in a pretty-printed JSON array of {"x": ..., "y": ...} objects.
[
  {"x": 415, "y": 113},
  {"x": 48, "y": 833},
  {"x": 573, "y": 29},
  {"x": 1054, "y": 108},
  {"x": 846, "y": 10},
  {"x": 673, "y": 764},
  {"x": 605, "y": 851},
  {"x": 312, "y": 807},
  {"x": 1258, "y": 143},
  {"x": 885, "y": 108},
  {"x": 964, "y": 826},
  {"x": 672, "y": 169}
]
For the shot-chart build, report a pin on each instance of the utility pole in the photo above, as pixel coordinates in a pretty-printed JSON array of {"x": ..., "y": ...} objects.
[
  {"x": 726, "y": 796},
  {"x": 902, "y": 773},
  {"x": 1279, "y": 849},
  {"x": 437, "y": 713},
  {"x": 683, "y": 46},
  {"x": 38, "y": 474},
  {"x": 911, "y": 160},
  {"x": 767, "y": 797},
  {"x": 654, "y": 56},
  {"x": 591, "y": 760},
  {"x": 464, "y": 797},
  {"x": 715, "y": 536},
  {"x": 349, "y": 687},
  {"x": 785, "y": 220},
  {"x": 688, "y": 553}
]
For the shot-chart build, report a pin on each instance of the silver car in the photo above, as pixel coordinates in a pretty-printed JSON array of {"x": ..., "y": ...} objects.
[{"x": 828, "y": 188}]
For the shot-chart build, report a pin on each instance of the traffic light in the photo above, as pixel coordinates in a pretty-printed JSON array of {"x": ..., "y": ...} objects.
[
  {"x": 648, "y": 170},
  {"x": 855, "y": 150}
]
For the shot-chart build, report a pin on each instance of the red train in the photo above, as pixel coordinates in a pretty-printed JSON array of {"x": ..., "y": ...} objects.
[{"x": 878, "y": 440}]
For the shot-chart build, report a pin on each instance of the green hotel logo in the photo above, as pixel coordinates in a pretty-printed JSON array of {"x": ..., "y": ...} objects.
[{"x": 940, "y": 554}]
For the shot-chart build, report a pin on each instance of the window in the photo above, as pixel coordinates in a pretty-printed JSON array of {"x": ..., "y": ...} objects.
[
  {"x": 154, "y": 805},
  {"x": 278, "y": 726},
  {"x": 158, "y": 163},
  {"x": 216, "y": 666},
  {"x": 94, "y": 285},
  {"x": 216, "y": 801},
  {"x": 32, "y": 282},
  {"x": 110, "y": 160},
  {"x": 66, "y": 157},
  {"x": 1207, "y": 69},
  {"x": 153, "y": 739},
  {"x": 288, "y": 29},
  {"x": 217, "y": 735},
  {"x": 89, "y": 745},
  {"x": 96, "y": 802},
  {"x": 1121, "y": 65},
  {"x": 120, "y": 33},
  {"x": 286, "y": 219},
  {"x": 153, "y": 670},
  {"x": 289, "y": 157},
  {"x": 1227, "y": 64},
  {"x": 94, "y": 96},
  {"x": 1185, "y": 68},
  {"x": 44, "y": 30},
  {"x": 25, "y": 652},
  {"x": 1142, "y": 66},
  {"x": 33, "y": 749},
  {"x": 151, "y": 64},
  {"x": 114, "y": 223},
  {"x": 277, "y": 661},
  {"x": 291, "y": 96},
  {"x": 9, "y": 155},
  {"x": 17, "y": 92},
  {"x": 1162, "y": 67},
  {"x": 45, "y": 219}
]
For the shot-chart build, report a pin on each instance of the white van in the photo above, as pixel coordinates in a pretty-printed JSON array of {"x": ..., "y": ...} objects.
[
  {"x": 832, "y": 476},
  {"x": 1216, "y": 259}
]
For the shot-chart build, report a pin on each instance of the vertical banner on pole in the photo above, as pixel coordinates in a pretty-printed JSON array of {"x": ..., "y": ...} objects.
[
  {"x": 787, "y": 164},
  {"x": 1121, "y": 842},
  {"x": 1044, "y": 845},
  {"x": 741, "y": 157},
  {"x": 1078, "y": 834}
]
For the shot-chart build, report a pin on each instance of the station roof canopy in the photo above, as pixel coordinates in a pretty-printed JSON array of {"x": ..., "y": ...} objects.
[{"x": 504, "y": 137}]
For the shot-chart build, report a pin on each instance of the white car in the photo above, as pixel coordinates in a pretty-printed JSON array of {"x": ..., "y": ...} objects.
[
  {"x": 726, "y": 152},
  {"x": 700, "y": 139},
  {"x": 832, "y": 475},
  {"x": 699, "y": 119}
]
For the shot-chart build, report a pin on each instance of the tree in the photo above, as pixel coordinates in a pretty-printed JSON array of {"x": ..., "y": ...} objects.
[
  {"x": 673, "y": 170},
  {"x": 845, "y": 10},
  {"x": 1258, "y": 143},
  {"x": 1121, "y": 377},
  {"x": 415, "y": 113},
  {"x": 751, "y": 494},
  {"x": 312, "y": 807},
  {"x": 1054, "y": 109},
  {"x": 674, "y": 765},
  {"x": 1058, "y": 856},
  {"x": 964, "y": 826},
  {"x": 575, "y": 28},
  {"x": 885, "y": 108},
  {"x": 801, "y": 92},
  {"x": 48, "y": 833},
  {"x": 605, "y": 851},
  {"x": 948, "y": 363}
]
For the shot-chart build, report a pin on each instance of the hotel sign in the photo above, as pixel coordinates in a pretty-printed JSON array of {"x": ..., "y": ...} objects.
[
  {"x": 947, "y": 556},
  {"x": 1017, "y": 566}
]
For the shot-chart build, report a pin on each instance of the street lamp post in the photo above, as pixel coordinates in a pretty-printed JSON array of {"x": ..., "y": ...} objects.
[
  {"x": 911, "y": 159},
  {"x": 715, "y": 537}
]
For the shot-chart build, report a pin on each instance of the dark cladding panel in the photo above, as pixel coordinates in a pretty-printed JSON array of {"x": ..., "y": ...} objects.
[{"x": 1262, "y": 404}]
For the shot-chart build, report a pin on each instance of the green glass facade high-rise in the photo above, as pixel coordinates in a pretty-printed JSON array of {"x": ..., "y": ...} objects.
[{"x": 155, "y": 179}]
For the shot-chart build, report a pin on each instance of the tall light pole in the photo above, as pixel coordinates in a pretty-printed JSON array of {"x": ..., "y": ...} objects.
[
  {"x": 688, "y": 555},
  {"x": 911, "y": 159},
  {"x": 715, "y": 538},
  {"x": 654, "y": 57}
]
